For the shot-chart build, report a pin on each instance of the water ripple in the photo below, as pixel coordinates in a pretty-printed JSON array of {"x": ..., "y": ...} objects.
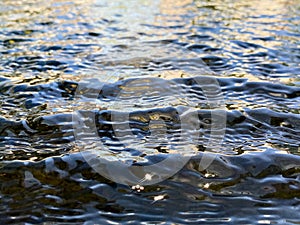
[{"x": 251, "y": 48}]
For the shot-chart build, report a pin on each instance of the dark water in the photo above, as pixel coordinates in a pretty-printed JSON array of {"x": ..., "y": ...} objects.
[{"x": 252, "y": 48}]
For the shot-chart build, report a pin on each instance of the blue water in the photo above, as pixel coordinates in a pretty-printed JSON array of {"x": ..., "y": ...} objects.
[{"x": 250, "y": 48}]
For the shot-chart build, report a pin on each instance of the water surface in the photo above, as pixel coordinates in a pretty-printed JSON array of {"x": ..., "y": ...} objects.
[{"x": 251, "y": 48}]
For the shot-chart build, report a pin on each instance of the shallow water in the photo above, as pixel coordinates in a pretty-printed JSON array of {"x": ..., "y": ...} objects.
[{"x": 251, "y": 48}]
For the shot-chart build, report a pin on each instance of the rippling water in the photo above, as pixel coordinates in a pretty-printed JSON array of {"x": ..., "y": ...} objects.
[{"x": 250, "y": 47}]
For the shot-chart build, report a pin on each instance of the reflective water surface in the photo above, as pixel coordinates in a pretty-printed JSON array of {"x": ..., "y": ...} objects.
[{"x": 250, "y": 47}]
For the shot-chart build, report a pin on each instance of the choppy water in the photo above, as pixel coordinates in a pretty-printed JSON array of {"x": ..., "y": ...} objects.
[{"x": 250, "y": 47}]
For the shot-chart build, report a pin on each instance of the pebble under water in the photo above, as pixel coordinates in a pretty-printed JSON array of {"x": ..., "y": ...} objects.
[{"x": 252, "y": 50}]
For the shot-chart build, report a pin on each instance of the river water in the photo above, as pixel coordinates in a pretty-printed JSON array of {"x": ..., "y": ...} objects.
[{"x": 250, "y": 48}]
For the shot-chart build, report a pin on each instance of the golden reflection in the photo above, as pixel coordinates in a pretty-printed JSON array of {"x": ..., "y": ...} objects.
[
  {"x": 250, "y": 18},
  {"x": 174, "y": 7}
]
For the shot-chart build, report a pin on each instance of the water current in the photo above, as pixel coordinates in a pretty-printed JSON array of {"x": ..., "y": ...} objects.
[{"x": 148, "y": 67}]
